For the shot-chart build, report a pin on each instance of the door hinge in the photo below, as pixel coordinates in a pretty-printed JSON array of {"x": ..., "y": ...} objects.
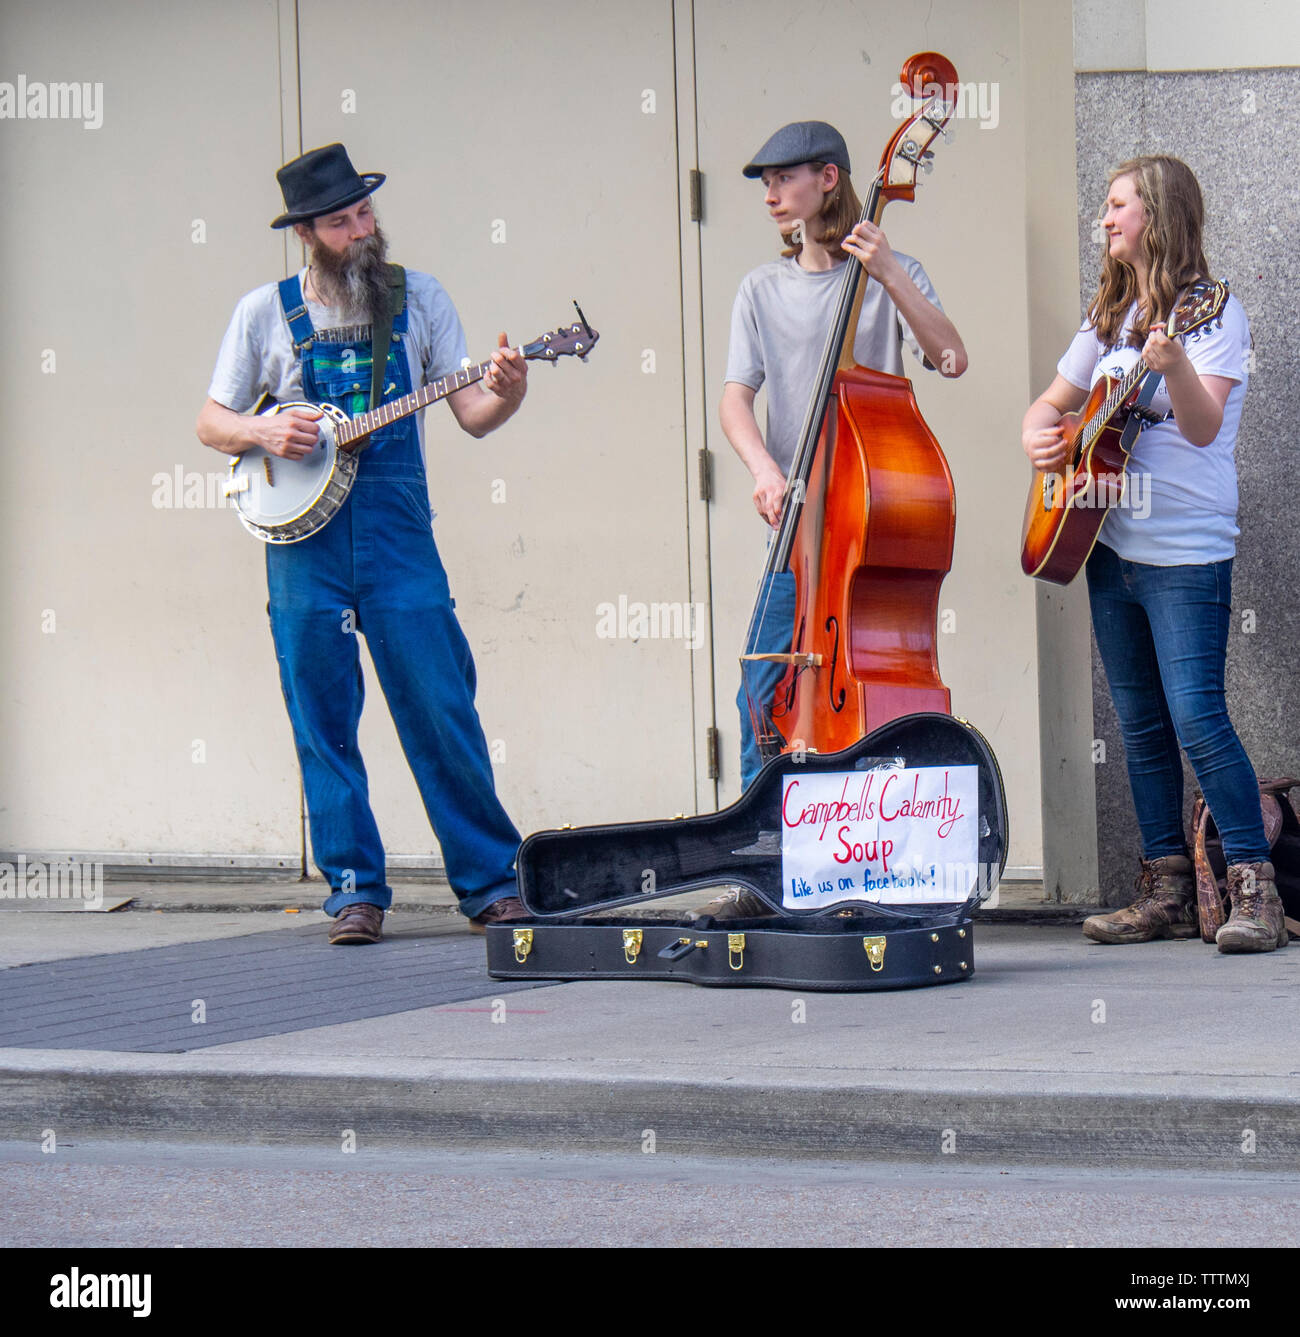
[
  {"x": 711, "y": 751},
  {"x": 705, "y": 463},
  {"x": 697, "y": 195}
]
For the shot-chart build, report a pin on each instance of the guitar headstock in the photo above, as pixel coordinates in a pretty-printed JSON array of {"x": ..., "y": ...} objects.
[
  {"x": 933, "y": 78},
  {"x": 576, "y": 340},
  {"x": 1201, "y": 304}
]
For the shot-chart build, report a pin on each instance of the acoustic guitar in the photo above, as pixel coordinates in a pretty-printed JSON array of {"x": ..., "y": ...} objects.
[{"x": 1067, "y": 508}]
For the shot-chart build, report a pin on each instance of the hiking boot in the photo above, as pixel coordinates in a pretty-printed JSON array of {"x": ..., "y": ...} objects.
[
  {"x": 1257, "y": 923},
  {"x": 737, "y": 903},
  {"x": 359, "y": 922},
  {"x": 1165, "y": 905}
]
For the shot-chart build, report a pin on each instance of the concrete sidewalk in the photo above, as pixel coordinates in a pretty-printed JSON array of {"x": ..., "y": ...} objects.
[{"x": 1056, "y": 1050}]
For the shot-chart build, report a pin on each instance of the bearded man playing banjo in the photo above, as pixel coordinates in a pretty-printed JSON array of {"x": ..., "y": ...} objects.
[{"x": 373, "y": 566}]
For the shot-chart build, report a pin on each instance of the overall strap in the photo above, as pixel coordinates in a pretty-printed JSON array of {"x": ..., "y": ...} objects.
[
  {"x": 295, "y": 312},
  {"x": 381, "y": 333}
]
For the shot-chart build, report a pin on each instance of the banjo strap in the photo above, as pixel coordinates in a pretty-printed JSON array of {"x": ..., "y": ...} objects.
[{"x": 381, "y": 333}]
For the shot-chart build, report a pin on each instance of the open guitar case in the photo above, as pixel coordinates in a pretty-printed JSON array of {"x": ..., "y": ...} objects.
[{"x": 859, "y": 943}]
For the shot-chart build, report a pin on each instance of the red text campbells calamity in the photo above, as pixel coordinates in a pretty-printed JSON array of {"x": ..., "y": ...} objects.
[{"x": 858, "y": 804}]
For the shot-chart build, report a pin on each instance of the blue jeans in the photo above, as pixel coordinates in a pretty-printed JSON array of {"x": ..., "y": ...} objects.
[
  {"x": 773, "y": 635},
  {"x": 374, "y": 569},
  {"x": 1163, "y": 635}
]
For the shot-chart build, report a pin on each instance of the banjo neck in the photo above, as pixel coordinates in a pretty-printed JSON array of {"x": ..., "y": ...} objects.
[
  {"x": 363, "y": 424},
  {"x": 577, "y": 339}
]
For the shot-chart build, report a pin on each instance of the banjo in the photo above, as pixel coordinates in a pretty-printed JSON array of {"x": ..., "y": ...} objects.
[{"x": 283, "y": 501}]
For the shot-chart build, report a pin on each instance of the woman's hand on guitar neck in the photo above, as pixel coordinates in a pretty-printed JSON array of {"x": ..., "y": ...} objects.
[{"x": 1197, "y": 401}]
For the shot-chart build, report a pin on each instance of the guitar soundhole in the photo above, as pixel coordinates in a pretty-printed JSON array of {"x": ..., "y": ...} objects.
[{"x": 836, "y": 699}]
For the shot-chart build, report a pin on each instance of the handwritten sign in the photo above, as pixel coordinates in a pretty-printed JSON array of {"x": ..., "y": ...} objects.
[{"x": 896, "y": 835}]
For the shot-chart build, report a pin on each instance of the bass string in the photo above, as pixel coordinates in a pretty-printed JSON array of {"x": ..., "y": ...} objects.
[
  {"x": 834, "y": 336},
  {"x": 809, "y": 433}
]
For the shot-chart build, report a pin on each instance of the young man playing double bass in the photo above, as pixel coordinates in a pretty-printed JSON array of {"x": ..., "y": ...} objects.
[
  {"x": 373, "y": 568},
  {"x": 779, "y": 324}
]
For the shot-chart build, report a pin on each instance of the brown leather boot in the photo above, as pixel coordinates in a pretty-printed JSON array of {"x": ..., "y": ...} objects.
[
  {"x": 1165, "y": 905},
  {"x": 1257, "y": 923}
]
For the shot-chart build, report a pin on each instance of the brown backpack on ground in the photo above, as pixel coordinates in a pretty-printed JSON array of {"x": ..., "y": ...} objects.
[{"x": 1282, "y": 829}]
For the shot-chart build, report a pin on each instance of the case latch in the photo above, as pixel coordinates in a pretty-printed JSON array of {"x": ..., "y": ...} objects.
[
  {"x": 875, "y": 950},
  {"x": 631, "y": 944},
  {"x": 523, "y": 944},
  {"x": 676, "y": 950},
  {"x": 736, "y": 950}
]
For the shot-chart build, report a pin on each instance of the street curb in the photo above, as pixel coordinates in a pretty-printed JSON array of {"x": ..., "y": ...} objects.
[
  {"x": 1005, "y": 1118},
  {"x": 1011, "y": 914}
]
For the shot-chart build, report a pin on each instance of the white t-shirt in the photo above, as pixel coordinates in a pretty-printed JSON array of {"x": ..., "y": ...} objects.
[
  {"x": 779, "y": 324},
  {"x": 1180, "y": 507},
  {"x": 257, "y": 354}
]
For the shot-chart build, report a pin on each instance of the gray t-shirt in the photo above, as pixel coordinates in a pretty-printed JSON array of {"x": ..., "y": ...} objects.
[
  {"x": 779, "y": 324},
  {"x": 257, "y": 354}
]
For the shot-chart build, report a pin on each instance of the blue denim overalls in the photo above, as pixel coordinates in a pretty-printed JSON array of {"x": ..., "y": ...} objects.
[{"x": 374, "y": 569}]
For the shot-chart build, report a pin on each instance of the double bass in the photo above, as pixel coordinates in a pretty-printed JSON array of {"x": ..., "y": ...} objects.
[
  {"x": 867, "y": 529},
  {"x": 868, "y": 515}
]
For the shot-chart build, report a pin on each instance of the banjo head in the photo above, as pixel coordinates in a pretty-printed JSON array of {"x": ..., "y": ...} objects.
[{"x": 283, "y": 501}]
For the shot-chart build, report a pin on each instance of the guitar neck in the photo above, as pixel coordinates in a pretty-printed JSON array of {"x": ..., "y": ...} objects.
[
  {"x": 1113, "y": 403},
  {"x": 1124, "y": 387},
  {"x": 365, "y": 423}
]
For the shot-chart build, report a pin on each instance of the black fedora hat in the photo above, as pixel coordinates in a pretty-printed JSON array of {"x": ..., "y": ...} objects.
[{"x": 319, "y": 183}]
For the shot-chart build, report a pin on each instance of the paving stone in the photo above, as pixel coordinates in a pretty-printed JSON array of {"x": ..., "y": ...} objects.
[{"x": 256, "y": 985}]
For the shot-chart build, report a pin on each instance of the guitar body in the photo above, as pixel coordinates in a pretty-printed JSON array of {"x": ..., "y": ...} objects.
[
  {"x": 285, "y": 501},
  {"x": 874, "y": 545},
  {"x": 1065, "y": 511}
]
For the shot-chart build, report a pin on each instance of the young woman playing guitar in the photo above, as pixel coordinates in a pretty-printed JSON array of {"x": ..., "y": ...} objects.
[{"x": 1160, "y": 579}]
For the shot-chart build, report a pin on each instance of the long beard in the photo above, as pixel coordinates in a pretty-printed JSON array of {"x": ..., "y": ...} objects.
[{"x": 355, "y": 282}]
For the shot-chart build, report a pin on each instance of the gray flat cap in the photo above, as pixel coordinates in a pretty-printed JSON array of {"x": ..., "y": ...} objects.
[{"x": 801, "y": 141}]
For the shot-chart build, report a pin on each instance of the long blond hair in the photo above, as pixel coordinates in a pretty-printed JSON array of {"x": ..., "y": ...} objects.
[
  {"x": 1171, "y": 246},
  {"x": 840, "y": 213}
]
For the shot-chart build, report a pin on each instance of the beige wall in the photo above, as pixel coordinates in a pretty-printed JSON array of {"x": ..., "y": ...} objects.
[
  {"x": 134, "y": 641},
  {"x": 575, "y": 126},
  {"x": 1185, "y": 34},
  {"x": 559, "y": 134}
]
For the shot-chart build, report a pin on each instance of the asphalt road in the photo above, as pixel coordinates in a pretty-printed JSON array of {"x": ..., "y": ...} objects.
[{"x": 128, "y": 1194}]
